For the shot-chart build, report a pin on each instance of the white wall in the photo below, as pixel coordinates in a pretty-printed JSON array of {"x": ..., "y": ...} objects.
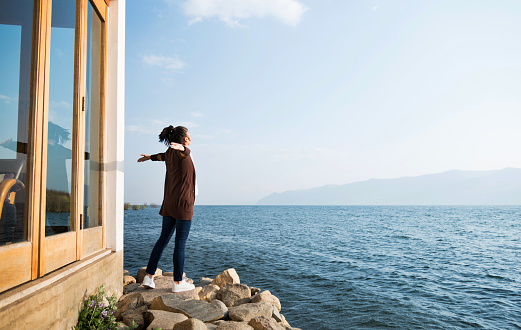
[{"x": 115, "y": 126}]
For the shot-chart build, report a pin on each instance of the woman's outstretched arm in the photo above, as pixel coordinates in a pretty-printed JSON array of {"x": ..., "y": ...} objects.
[{"x": 154, "y": 158}]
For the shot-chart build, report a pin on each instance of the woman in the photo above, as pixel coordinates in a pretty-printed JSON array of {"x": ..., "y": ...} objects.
[{"x": 178, "y": 203}]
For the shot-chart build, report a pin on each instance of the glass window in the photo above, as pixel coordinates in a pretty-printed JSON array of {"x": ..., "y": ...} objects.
[
  {"x": 61, "y": 92},
  {"x": 15, "y": 64},
  {"x": 93, "y": 105}
]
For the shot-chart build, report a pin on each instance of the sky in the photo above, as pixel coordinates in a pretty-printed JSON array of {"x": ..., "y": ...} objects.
[{"x": 292, "y": 94}]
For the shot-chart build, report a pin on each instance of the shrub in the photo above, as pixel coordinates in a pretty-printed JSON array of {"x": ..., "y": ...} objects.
[
  {"x": 97, "y": 313},
  {"x": 143, "y": 207},
  {"x": 126, "y": 206},
  {"x": 135, "y": 207}
]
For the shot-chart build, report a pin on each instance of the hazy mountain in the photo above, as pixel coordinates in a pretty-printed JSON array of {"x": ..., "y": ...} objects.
[{"x": 499, "y": 187}]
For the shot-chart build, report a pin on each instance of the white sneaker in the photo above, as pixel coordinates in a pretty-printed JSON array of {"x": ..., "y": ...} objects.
[
  {"x": 148, "y": 282},
  {"x": 183, "y": 286}
]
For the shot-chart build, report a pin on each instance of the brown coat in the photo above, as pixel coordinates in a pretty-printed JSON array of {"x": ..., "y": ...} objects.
[{"x": 179, "y": 192}]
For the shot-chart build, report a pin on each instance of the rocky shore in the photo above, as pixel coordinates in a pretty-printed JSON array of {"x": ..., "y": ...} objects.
[{"x": 221, "y": 303}]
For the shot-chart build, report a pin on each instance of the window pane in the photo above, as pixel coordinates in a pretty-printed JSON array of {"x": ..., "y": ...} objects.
[
  {"x": 92, "y": 119},
  {"x": 59, "y": 154},
  {"x": 15, "y": 63}
]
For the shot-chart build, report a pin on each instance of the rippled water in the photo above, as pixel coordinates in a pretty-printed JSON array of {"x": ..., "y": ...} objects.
[{"x": 358, "y": 267}]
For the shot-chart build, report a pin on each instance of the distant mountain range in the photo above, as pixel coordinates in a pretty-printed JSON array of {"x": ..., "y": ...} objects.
[{"x": 498, "y": 187}]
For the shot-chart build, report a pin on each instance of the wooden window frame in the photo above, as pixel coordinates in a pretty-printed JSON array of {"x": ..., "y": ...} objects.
[{"x": 39, "y": 255}]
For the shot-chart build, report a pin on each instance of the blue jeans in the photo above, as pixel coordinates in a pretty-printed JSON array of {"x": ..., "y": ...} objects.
[{"x": 182, "y": 229}]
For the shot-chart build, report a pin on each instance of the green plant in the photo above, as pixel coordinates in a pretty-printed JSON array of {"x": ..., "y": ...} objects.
[
  {"x": 98, "y": 312},
  {"x": 136, "y": 207},
  {"x": 126, "y": 206},
  {"x": 132, "y": 326}
]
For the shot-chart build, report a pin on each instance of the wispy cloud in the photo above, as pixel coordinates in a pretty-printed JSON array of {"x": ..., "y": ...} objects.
[
  {"x": 6, "y": 99},
  {"x": 376, "y": 7},
  {"x": 170, "y": 63},
  {"x": 232, "y": 11}
]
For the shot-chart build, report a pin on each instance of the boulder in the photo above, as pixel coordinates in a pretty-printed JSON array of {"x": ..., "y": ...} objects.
[
  {"x": 142, "y": 272},
  {"x": 164, "y": 286},
  {"x": 126, "y": 272},
  {"x": 130, "y": 288},
  {"x": 190, "y": 324},
  {"x": 164, "y": 320},
  {"x": 266, "y": 296},
  {"x": 231, "y": 325},
  {"x": 264, "y": 323},
  {"x": 254, "y": 291},
  {"x": 204, "y": 281},
  {"x": 198, "y": 289},
  {"x": 276, "y": 315},
  {"x": 136, "y": 316},
  {"x": 128, "y": 302},
  {"x": 234, "y": 294},
  {"x": 198, "y": 309},
  {"x": 211, "y": 326},
  {"x": 246, "y": 312},
  {"x": 209, "y": 292},
  {"x": 128, "y": 280},
  {"x": 171, "y": 274},
  {"x": 222, "y": 306},
  {"x": 228, "y": 276}
]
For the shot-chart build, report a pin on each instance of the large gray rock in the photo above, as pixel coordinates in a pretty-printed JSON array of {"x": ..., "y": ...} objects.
[
  {"x": 234, "y": 294},
  {"x": 266, "y": 296},
  {"x": 228, "y": 276},
  {"x": 164, "y": 286},
  {"x": 130, "y": 288},
  {"x": 232, "y": 325},
  {"x": 198, "y": 309},
  {"x": 204, "y": 281},
  {"x": 246, "y": 312},
  {"x": 162, "y": 319},
  {"x": 264, "y": 323},
  {"x": 222, "y": 306},
  {"x": 143, "y": 271},
  {"x": 128, "y": 302},
  {"x": 136, "y": 316},
  {"x": 209, "y": 292},
  {"x": 190, "y": 324}
]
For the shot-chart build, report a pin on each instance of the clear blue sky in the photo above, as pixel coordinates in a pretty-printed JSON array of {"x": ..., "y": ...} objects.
[{"x": 285, "y": 94}]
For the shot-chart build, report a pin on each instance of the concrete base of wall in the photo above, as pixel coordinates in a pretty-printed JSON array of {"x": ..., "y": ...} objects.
[{"x": 54, "y": 301}]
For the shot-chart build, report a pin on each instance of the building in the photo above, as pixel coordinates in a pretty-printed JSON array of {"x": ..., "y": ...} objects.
[{"x": 61, "y": 157}]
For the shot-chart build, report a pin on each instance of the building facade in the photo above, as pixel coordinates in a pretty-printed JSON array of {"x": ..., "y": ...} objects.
[{"x": 61, "y": 157}]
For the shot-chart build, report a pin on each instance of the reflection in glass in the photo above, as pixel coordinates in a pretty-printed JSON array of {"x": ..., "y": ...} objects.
[
  {"x": 92, "y": 119},
  {"x": 15, "y": 64},
  {"x": 61, "y": 82}
]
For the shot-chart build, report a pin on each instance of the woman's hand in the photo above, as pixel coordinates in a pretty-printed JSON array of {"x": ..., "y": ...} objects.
[
  {"x": 177, "y": 146},
  {"x": 144, "y": 158}
]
